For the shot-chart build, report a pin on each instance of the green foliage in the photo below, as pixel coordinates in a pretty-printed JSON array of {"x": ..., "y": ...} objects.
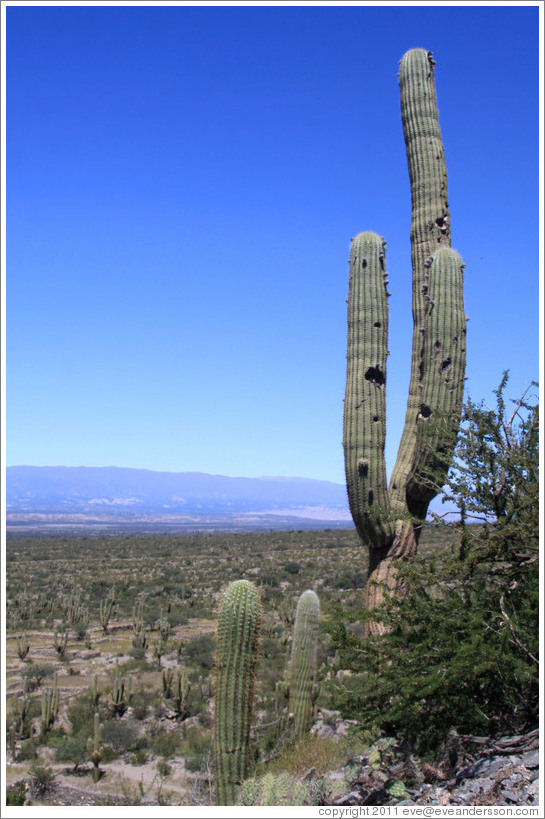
[
  {"x": 72, "y": 749},
  {"x": 166, "y": 744},
  {"x": 16, "y": 794},
  {"x": 81, "y": 714},
  {"x": 462, "y": 646},
  {"x": 195, "y": 748},
  {"x": 119, "y": 736},
  {"x": 41, "y": 777},
  {"x": 200, "y": 651},
  {"x": 36, "y": 674}
]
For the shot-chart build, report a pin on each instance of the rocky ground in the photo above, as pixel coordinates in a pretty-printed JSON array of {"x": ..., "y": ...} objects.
[{"x": 505, "y": 773}]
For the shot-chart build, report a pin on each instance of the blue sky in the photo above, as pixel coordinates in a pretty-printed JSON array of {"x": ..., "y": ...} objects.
[{"x": 182, "y": 186}]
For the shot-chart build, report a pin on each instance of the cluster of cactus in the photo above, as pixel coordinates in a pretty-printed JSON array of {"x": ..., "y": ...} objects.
[
  {"x": 121, "y": 692},
  {"x": 73, "y": 609},
  {"x": 23, "y": 646},
  {"x": 140, "y": 636},
  {"x": 303, "y": 686},
  {"x": 238, "y": 632},
  {"x": 94, "y": 747},
  {"x": 239, "y": 628},
  {"x": 50, "y": 707},
  {"x": 107, "y": 609},
  {"x": 276, "y": 789},
  {"x": 23, "y": 709},
  {"x": 60, "y": 642},
  {"x": 176, "y": 691},
  {"x": 389, "y": 518},
  {"x": 95, "y": 693}
]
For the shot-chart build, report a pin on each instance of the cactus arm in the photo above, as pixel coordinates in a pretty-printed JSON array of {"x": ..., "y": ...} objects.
[
  {"x": 364, "y": 433},
  {"x": 430, "y": 229},
  {"x": 239, "y": 622},
  {"x": 442, "y": 382}
]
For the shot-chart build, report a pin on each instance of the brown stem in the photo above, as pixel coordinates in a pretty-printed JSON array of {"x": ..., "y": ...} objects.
[{"x": 382, "y": 578}]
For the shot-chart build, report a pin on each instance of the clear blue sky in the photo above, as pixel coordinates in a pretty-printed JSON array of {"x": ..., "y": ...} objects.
[{"x": 182, "y": 186}]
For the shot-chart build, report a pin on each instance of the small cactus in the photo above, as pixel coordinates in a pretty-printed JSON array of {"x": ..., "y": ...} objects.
[
  {"x": 303, "y": 688},
  {"x": 276, "y": 789},
  {"x": 59, "y": 644},
  {"x": 239, "y": 624},
  {"x": 12, "y": 744},
  {"x": 23, "y": 646},
  {"x": 94, "y": 747},
  {"x": 95, "y": 693},
  {"x": 23, "y": 710}
]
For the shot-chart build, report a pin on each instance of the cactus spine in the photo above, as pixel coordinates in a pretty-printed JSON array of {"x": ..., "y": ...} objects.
[
  {"x": 238, "y": 631},
  {"x": 388, "y": 519},
  {"x": 94, "y": 747},
  {"x": 302, "y": 685}
]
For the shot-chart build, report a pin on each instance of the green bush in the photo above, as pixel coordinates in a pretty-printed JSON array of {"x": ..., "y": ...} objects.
[
  {"x": 81, "y": 715},
  {"x": 28, "y": 751},
  {"x": 37, "y": 673},
  {"x": 195, "y": 748},
  {"x": 16, "y": 794},
  {"x": 119, "y": 736},
  {"x": 166, "y": 744},
  {"x": 41, "y": 777},
  {"x": 72, "y": 749},
  {"x": 462, "y": 646},
  {"x": 200, "y": 651}
]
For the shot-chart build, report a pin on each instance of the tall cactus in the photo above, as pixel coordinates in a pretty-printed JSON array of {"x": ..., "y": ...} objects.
[
  {"x": 50, "y": 707},
  {"x": 94, "y": 747},
  {"x": 302, "y": 671},
  {"x": 388, "y": 518},
  {"x": 239, "y": 623}
]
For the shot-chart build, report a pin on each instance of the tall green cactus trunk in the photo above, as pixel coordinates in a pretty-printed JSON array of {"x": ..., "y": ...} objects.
[
  {"x": 239, "y": 623},
  {"x": 302, "y": 671},
  {"x": 388, "y": 518}
]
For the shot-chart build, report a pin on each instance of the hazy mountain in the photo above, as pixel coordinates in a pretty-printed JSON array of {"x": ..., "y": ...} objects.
[{"x": 107, "y": 491}]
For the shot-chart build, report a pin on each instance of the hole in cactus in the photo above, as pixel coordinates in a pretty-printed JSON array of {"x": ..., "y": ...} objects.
[
  {"x": 445, "y": 365},
  {"x": 375, "y": 376},
  {"x": 371, "y": 497},
  {"x": 437, "y": 346},
  {"x": 364, "y": 262},
  {"x": 441, "y": 223},
  {"x": 363, "y": 466},
  {"x": 375, "y": 419},
  {"x": 425, "y": 412},
  {"x": 377, "y": 324}
]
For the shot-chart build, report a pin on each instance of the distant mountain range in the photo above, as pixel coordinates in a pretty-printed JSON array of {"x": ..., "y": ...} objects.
[{"x": 54, "y": 494}]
